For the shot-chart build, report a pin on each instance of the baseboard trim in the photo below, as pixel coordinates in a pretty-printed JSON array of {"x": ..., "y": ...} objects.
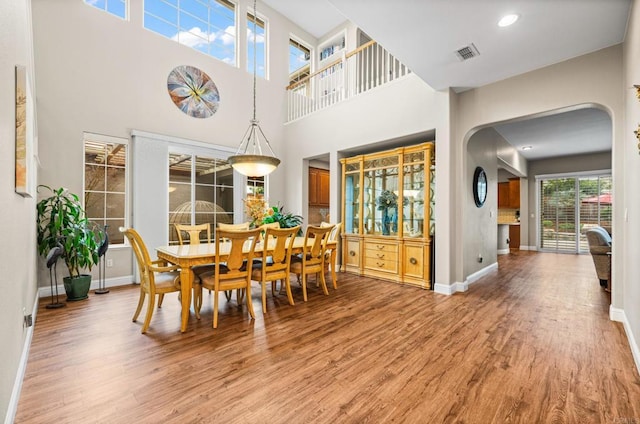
[
  {"x": 617, "y": 314},
  {"x": 528, "y": 248},
  {"x": 480, "y": 273},
  {"x": 109, "y": 282},
  {"x": 503, "y": 251},
  {"x": 444, "y": 288},
  {"x": 12, "y": 408}
]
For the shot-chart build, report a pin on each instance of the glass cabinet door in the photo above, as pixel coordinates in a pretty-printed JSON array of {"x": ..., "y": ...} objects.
[
  {"x": 381, "y": 196},
  {"x": 413, "y": 195},
  {"x": 352, "y": 202}
]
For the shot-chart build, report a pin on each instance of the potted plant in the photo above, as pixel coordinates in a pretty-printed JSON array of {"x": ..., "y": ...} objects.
[{"x": 62, "y": 222}]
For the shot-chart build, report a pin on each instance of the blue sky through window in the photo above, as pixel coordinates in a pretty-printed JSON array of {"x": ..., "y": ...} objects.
[
  {"x": 260, "y": 45},
  {"x": 115, "y": 7},
  {"x": 205, "y": 25},
  {"x": 299, "y": 56}
]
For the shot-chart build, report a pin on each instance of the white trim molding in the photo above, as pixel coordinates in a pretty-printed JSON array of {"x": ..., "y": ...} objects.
[
  {"x": 109, "y": 282},
  {"x": 445, "y": 289},
  {"x": 12, "y": 408},
  {"x": 618, "y": 315},
  {"x": 533, "y": 248},
  {"x": 503, "y": 251}
]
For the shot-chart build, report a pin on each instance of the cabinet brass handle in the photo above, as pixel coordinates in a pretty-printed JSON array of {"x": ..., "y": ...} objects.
[
  {"x": 380, "y": 247},
  {"x": 352, "y": 253},
  {"x": 381, "y": 265},
  {"x": 380, "y": 256},
  {"x": 413, "y": 261}
]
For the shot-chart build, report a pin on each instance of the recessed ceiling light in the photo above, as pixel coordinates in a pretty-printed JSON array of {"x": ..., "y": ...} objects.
[
  {"x": 527, "y": 147},
  {"x": 508, "y": 20}
]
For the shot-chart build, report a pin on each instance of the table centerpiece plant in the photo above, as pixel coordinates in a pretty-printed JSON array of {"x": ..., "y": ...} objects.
[
  {"x": 62, "y": 221},
  {"x": 261, "y": 213}
]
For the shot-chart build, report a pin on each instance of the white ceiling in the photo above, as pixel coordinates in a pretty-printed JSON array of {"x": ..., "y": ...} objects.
[
  {"x": 579, "y": 131},
  {"x": 425, "y": 34}
]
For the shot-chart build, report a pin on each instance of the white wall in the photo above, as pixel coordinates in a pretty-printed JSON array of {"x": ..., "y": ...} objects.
[
  {"x": 481, "y": 240},
  {"x": 630, "y": 250},
  {"x": 402, "y": 108},
  {"x": 101, "y": 74},
  {"x": 17, "y": 214},
  {"x": 592, "y": 79}
]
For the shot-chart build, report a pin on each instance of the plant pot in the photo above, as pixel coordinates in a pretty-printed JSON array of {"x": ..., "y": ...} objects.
[{"x": 77, "y": 288}]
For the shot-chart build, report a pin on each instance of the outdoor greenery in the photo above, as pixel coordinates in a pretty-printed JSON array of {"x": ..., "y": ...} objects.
[{"x": 61, "y": 221}]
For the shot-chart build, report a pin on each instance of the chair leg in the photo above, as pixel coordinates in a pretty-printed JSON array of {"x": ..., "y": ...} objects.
[
  {"x": 324, "y": 283},
  {"x": 264, "y": 295},
  {"x": 160, "y": 299},
  {"x": 240, "y": 296},
  {"x": 215, "y": 308},
  {"x": 228, "y": 294},
  {"x": 249, "y": 303},
  {"x": 288, "y": 286},
  {"x": 333, "y": 270},
  {"x": 139, "y": 308},
  {"x": 147, "y": 320},
  {"x": 304, "y": 286},
  {"x": 197, "y": 300}
]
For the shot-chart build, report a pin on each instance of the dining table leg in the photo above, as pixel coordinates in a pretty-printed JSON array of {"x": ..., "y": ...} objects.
[{"x": 186, "y": 283}]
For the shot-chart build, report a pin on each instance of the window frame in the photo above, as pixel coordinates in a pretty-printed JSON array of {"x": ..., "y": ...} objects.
[
  {"x": 106, "y": 139},
  {"x": 262, "y": 22},
  {"x": 125, "y": 17},
  {"x": 178, "y": 30}
]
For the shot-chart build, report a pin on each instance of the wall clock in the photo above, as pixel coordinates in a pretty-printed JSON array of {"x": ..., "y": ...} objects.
[
  {"x": 193, "y": 91},
  {"x": 479, "y": 186}
]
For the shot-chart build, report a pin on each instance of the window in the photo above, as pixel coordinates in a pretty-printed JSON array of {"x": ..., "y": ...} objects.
[
  {"x": 105, "y": 183},
  {"x": 261, "y": 45},
  {"x": 207, "y": 26},
  {"x": 299, "y": 61},
  {"x": 200, "y": 191},
  {"x": 569, "y": 206},
  {"x": 255, "y": 186},
  {"x": 115, "y": 7}
]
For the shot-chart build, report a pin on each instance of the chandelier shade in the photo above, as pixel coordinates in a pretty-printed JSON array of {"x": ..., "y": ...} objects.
[{"x": 250, "y": 160}]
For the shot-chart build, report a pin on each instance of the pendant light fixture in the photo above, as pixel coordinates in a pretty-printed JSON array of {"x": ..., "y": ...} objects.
[{"x": 250, "y": 159}]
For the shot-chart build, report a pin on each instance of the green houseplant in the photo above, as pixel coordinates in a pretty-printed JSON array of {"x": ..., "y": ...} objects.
[{"x": 62, "y": 221}]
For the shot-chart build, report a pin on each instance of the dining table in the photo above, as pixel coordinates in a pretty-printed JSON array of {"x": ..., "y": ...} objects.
[{"x": 189, "y": 255}]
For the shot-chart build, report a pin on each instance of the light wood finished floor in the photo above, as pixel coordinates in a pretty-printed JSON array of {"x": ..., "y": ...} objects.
[{"x": 530, "y": 343}]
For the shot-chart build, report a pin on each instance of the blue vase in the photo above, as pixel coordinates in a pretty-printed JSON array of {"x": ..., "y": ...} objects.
[{"x": 386, "y": 222}]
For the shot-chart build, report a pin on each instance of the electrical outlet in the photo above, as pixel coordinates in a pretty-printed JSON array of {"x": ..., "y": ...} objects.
[{"x": 109, "y": 263}]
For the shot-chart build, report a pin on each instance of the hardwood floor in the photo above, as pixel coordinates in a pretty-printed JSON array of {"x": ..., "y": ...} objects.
[{"x": 529, "y": 343}]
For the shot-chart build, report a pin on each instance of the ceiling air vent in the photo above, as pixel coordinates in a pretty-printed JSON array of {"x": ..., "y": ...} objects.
[{"x": 468, "y": 52}]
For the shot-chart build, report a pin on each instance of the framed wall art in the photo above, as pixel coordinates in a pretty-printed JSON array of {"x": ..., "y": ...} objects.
[{"x": 24, "y": 136}]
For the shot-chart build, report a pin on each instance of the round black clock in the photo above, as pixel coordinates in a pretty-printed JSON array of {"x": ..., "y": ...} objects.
[{"x": 479, "y": 186}]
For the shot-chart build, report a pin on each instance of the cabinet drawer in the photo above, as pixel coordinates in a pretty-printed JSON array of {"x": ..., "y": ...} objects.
[
  {"x": 389, "y": 255},
  {"x": 352, "y": 254},
  {"x": 381, "y": 247},
  {"x": 414, "y": 261},
  {"x": 381, "y": 264}
]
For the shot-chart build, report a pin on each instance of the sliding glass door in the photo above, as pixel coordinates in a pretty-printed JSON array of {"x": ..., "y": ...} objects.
[{"x": 568, "y": 207}]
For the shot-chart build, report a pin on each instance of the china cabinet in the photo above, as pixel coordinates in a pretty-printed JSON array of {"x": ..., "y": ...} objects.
[{"x": 387, "y": 214}]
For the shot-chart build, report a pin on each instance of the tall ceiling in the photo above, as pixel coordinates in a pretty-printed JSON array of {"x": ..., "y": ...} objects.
[{"x": 425, "y": 34}]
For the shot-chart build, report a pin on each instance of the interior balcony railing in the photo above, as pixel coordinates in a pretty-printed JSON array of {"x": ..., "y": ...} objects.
[{"x": 369, "y": 66}]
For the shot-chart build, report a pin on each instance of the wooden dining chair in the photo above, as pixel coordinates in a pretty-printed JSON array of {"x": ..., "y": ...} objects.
[
  {"x": 233, "y": 227},
  {"x": 276, "y": 262},
  {"x": 194, "y": 236},
  {"x": 332, "y": 251},
  {"x": 194, "y": 233},
  {"x": 156, "y": 278},
  {"x": 312, "y": 259},
  {"x": 234, "y": 255}
]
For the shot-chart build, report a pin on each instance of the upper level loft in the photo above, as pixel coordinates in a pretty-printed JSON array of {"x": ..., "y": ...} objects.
[{"x": 341, "y": 74}]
